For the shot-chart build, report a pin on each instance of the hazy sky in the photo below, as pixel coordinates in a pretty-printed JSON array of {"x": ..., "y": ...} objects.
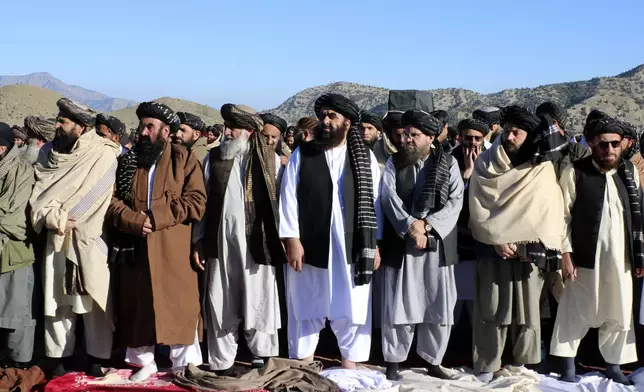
[{"x": 261, "y": 52}]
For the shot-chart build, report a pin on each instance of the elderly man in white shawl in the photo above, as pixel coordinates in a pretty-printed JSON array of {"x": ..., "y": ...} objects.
[
  {"x": 69, "y": 202},
  {"x": 516, "y": 218},
  {"x": 422, "y": 197}
]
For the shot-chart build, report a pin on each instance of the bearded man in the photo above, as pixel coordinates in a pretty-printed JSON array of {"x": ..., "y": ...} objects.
[
  {"x": 443, "y": 117},
  {"x": 371, "y": 131},
  {"x": 305, "y": 132},
  {"x": 274, "y": 127},
  {"x": 422, "y": 196},
  {"x": 329, "y": 219},
  {"x": 16, "y": 255},
  {"x": 491, "y": 115},
  {"x": 602, "y": 250},
  {"x": 112, "y": 129},
  {"x": 190, "y": 135},
  {"x": 515, "y": 217},
  {"x": 69, "y": 202},
  {"x": 160, "y": 192},
  {"x": 19, "y": 136},
  {"x": 214, "y": 135},
  {"x": 631, "y": 148},
  {"x": 394, "y": 131},
  {"x": 40, "y": 133},
  {"x": 239, "y": 239}
]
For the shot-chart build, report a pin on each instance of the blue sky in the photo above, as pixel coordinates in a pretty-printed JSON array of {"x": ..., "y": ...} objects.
[{"x": 261, "y": 52}]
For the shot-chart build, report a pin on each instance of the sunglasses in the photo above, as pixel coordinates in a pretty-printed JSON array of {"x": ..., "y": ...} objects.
[
  {"x": 604, "y": 145},
  {"x": 470, "y": 138}
]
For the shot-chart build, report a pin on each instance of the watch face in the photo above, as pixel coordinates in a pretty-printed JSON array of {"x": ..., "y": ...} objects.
[{"x": 427, "y": 228}]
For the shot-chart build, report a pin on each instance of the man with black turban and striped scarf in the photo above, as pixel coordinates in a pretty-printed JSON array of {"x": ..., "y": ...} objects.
[
  {"x": 421, "y": 196},
  {"x": 516, "y": 210},
  {"x": 329, "y": 219},
  {"x": 374, "y": 138}
]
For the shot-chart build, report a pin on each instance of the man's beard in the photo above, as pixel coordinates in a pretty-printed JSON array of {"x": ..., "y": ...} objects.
[
  {"x": 31, "y": 153},
  {"x": 148, "y": 152},
  {"x": 511, "y": 150},
  {"x": 63, "y": 142},
  {"x": 412, "y": 155},
  {"x": 370, "y": 143},
  {"x": 231, "y": 148},
  {"x": 332, "y": 137},
  {"x": 603, "y": 162}
]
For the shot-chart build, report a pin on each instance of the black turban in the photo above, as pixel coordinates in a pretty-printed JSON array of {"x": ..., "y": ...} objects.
[
  {"x": 392, "y": 121},
  {"x": 78, "y": 113},
  {"x": 441, "y": 116},
  {"x": 276, "y": 121},
  {"x": 6, "y": 135},
  {"x": 476, "y": 125},
  {"x": 40, "y": 128},
  {"x": 373, "y": 119},
  {"x": 596, "y": 115},
  {"x": 340, "y": 104},
  {"x": 605, "y": 125},
  {"x": 425, "y": 122},
  {"x": 520, "y": 117},
  {"x": 160, "y": 112},
  {"x": 239, "y": 118},
  {"x": 490, "y": 115},
  {"x": 191, "y": 120},
  {"x": 114, "y": 124},
  {"x": 19, "y": 133},
  {"x": 592, "y": 121},
  {"x": 555, "y": 111}
]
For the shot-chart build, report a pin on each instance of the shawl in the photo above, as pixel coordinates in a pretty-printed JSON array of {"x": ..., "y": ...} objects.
[
  {"x": 364, "y": 246},
  {"x": 79, "y": 185},
  {"x": 516, "y": 205}
]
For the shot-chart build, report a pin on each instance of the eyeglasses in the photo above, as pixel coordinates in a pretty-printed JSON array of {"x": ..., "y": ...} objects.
[
  {"x": 604, "y": 145},
  {"x": 470, "y": 138}
]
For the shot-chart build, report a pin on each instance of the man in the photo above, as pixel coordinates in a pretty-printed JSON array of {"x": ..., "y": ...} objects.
[
  {"x": 590, "y": 121},
  {"x": 421, "y": 195},
  {"x": 40, "y": 133},
  {"x": 631, "y": 148},
  {"x": 371, "y": 131},
  {"x": 16, "y": 254},
  {"x": 443, "y": 118},
  {"x": 190, "y": 134},
  {"x": 393, "y": 129},
  {"x": 214, "y": 135},
  {"x": 491, "y": 115},
  {"x": 600, "y": 253},
  {"x": 19, "y": 136},
  {"x": 239, "y": 238},
  {"x": 306, "y": 129},
  {"x": 472, "y": 136},
  {"x": 274, "y": 127},
  {"x": 515, "y": 217},
  {"x": 112, "y": 129},
  {"x": 329, "y": 218},
  {"x": 160, "y": 192},
  {"x": 69, "y": 202}
]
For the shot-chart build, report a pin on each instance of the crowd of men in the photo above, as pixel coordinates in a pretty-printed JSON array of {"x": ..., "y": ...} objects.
[{"x": 400, "y": 222}]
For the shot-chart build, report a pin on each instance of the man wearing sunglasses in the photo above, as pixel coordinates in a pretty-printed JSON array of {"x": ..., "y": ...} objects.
[{"x": 601, "y": 250}]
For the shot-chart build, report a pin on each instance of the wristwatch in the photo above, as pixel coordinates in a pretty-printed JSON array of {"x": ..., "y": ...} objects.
[{"x": 428, "y": 227}]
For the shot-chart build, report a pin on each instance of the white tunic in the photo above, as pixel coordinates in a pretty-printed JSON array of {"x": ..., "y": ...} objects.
[
  {"x": 317, "y": 293},
  {"x": 605, "y": 292}
]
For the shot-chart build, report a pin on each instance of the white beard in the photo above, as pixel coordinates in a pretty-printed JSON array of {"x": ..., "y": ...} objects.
[{"x": 231, "y": 148}]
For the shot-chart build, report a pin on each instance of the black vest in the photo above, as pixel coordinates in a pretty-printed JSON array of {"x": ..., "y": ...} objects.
[
  {"x": 315, "y": 204},
  {"x": 392, "y": 247},
  {"x": 590, "y": 186}
]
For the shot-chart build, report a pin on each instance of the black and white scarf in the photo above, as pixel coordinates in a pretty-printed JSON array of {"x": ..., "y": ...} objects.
[
  {"x": 627, "y": 175},
  {"x": 122, "y": 246},
  {"x": 435, "y": 191},
  {"x": 365, "y": 242}
]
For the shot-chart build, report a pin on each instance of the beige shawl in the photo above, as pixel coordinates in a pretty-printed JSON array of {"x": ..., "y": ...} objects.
[
  {"x": 78, "y": 185},
  {"x": 511, "y": 205}
]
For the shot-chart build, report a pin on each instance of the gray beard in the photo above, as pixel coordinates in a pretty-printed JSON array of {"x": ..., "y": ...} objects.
[
  {"x": 229, "y": 149},
  {"x": 31, "y": 153}
]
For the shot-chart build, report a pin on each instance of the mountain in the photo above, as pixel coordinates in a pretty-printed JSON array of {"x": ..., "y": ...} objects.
[
  {"x": 209, "y": 115},
  {"x": 20, "y": 101},
  {"x": 95, "y": 100},
  {"x": 620, "y": 96}
]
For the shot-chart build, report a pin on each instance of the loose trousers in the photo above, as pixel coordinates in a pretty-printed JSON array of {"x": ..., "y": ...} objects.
[
  {"x": 489, "y": 343},
  {"x": 354, "y": 340},
  {"x": 60, "y": 333},
  {"x": 180, "y": 355},
  {"x": 431, "y": 344},
  {"x": 222, "y": 345}
]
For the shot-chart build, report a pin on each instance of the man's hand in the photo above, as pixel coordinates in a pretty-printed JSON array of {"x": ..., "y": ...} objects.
[
  {"x": 197, "y": 251},
  {"x": 71, "y": 225},
  {"x": 376, "y": 260},
  {"x": 295, "y": 253},
  {"x": 147, "y": 226},
  {"x": 283, "y": 160},
  {"x": 418, "y": 234},
  {"x": 471, "y": 153},
  {"x": 568, "y": 269},
  {"x": 639, "y": 272},
  {"x": 505, "y": 251}
]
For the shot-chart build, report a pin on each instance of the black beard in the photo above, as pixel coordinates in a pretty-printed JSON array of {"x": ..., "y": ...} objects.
[
  {"x": 63, "y": 143},
  {"x": 148, "y": 152},
  {"x": 370, "y": 143},
  {"x": 331, "y": 139}
]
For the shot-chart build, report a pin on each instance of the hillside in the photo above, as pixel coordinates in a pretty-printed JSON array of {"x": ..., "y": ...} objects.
[
  {"x": 209, "y": 115},
  {"x": 621, "y": 96},
  {"x": 20, "y": 101},
  {"x": 95, "y": 100}
]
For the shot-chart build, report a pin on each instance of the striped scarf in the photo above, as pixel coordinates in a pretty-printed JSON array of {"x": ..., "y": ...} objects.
[
  {"x": 364, "y": 246},
  {"x": 435, "y": 192},
  {"x": 626, "y": 173}
]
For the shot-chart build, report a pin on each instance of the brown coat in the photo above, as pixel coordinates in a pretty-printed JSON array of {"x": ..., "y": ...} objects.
[
  {"x": 157, "y": 299},
  {"x": 638, "y": 161}
]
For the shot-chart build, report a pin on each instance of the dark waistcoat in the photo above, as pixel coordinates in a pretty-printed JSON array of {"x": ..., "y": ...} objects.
[
  {"x": 315, "y": 203},
  {"x": 590, "y": 186},
  {"x": 392, "y": 247},
  {"x": 217, "y": 184}
]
